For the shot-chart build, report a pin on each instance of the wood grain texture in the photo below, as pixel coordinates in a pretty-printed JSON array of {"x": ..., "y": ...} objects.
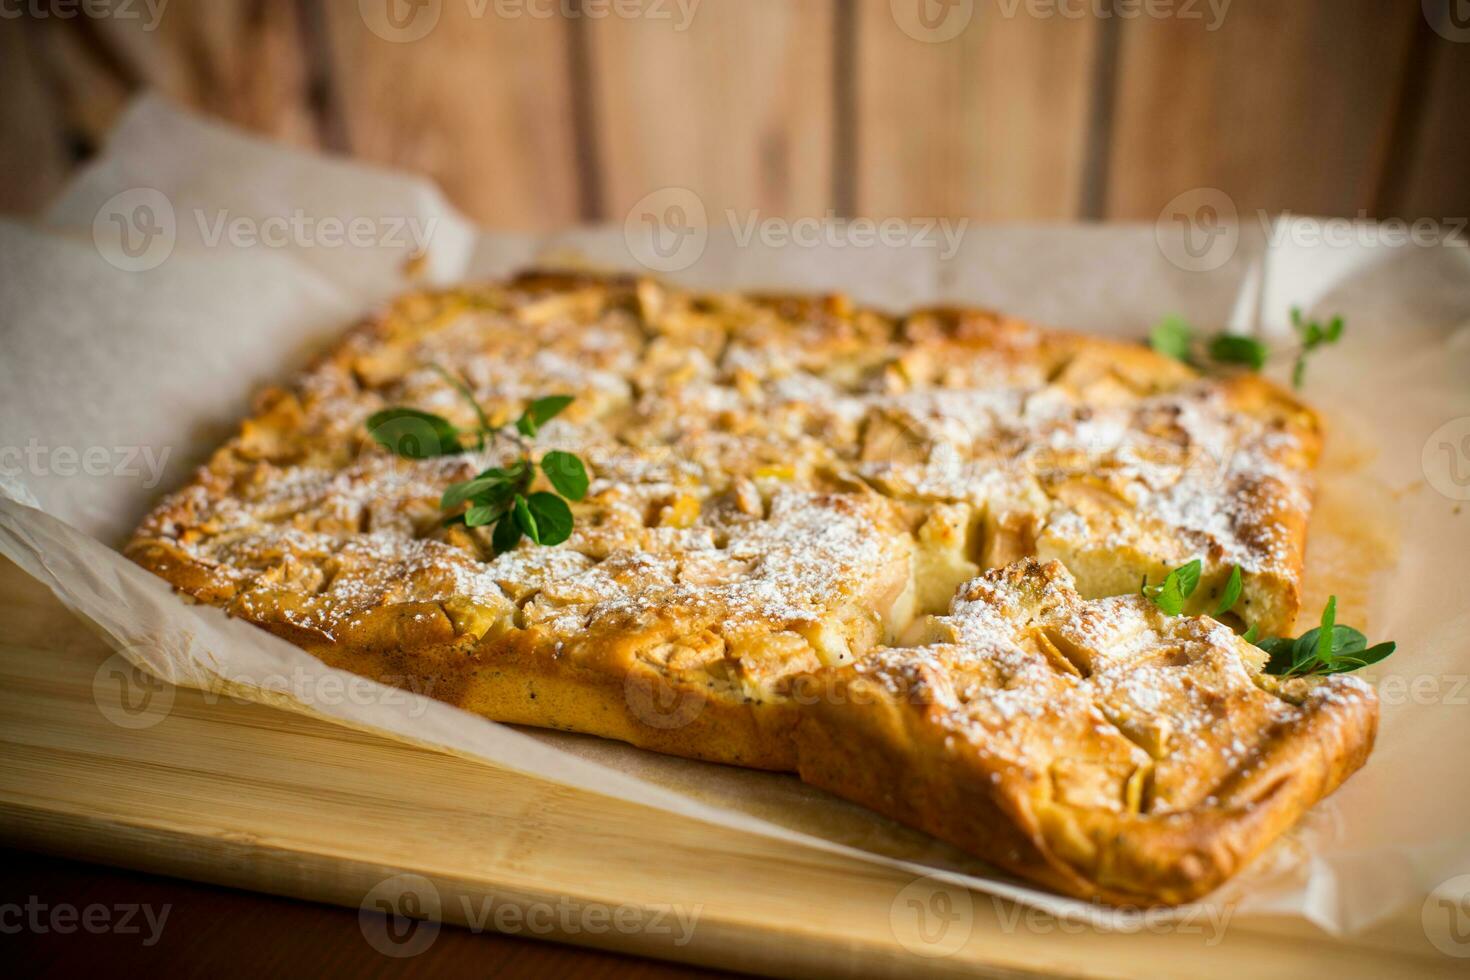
[
  {"x": 990, "y": 124},
  {"x": 238, "y": 794},
  {"x": 216, "y": 932},
  {"x": 1436, "y": 180},
  {"x": 240, "y": 60},
  {"x": 33, "y": 158},
  {"x": 735, "y": 106},
  {"x": 1283, "y": 106},
  {"x": 481, "y": 104}
]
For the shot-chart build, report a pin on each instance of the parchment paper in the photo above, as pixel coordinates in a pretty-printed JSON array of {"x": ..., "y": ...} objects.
[{"x": 115, "y": 381}]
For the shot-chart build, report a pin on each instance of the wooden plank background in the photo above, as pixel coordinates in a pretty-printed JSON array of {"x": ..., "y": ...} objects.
[{"x": 533, "y": 114}]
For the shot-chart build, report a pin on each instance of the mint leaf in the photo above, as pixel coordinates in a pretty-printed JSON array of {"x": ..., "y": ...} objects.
[
  {"x": 1230, "y": 348},
  {"x": 1278, "y": 650},
  {"x": 552, "y": 518},
  {"x": 525, "y": 519},
  {"x": 1250, "y": 634},
  {"x": 1172, "y": 337},
  {"x": 1325, "y": 637},
  {"x": 1232, "y": 593},
  {"x": 1327, "y": 649},
  {"x": 507, "y": 534},
  {"x": 483, "y": 514},
  {"x": 541, "y": 411},
  {"x": 566, "y": 473},
  {"x": 1178, "y": 585},
  {"x": 490, "y": 484},
  {"x": 1188, "y": 577},
  {"x": 413, "y": 434}
]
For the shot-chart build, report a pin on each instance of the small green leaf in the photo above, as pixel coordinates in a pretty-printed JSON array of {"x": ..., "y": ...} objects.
[
  {"x": 552, "y": 516},
  {"x": 1326, "y": 649},
  {"x": 413, "y": 434},
  {"x": 526, "y": 519},
  {"x": 1231, "y": 348},
  {"x": 1178, "y": 585},
  {"x": 1250, "y": 634},
  {"x": 482, "y": 514},
  {"x": 1172, "y": 337},
  {"x": 1377, "y": 652},
  {"x": 1188, "y": 577},
  {"x": 566, "y": 473},
  {"x": 1326, "y": 633},
  {"x": 1278, "y": 650},
  {"x": 507, "y": 534},
  {"x": 1232, "y": 593},
  {"x": 541, "y": 411},
  {"x": 1313, "y": 335},
  {"x": 493, "y": 484}
]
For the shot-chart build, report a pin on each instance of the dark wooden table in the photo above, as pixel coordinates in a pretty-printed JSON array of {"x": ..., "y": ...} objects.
[{"x": 222, "y": 932}]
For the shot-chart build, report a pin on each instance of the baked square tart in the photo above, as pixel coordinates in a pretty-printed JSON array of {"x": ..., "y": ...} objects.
[{"x": 897, "y": 555}]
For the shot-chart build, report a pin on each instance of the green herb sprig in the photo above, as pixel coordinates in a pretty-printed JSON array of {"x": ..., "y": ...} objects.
[
  {"x": 1178, "y": 585},
  {"x": 1181, "y": 583},
  {"x": 1174, "y": 337},
  {"x": 1327, "y": 649},
  {"x": 501, "y": 495},
  {"x": 1313, "y": 335}
]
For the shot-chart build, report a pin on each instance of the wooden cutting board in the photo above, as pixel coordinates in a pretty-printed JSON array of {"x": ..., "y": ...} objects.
[{"x": 207, "y": 788}]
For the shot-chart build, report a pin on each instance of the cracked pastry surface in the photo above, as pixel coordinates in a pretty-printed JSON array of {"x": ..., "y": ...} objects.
[{"x": 794, "y": 494}]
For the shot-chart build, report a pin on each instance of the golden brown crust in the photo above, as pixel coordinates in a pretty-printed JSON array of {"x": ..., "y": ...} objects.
[
  {"x": 787, "y": 490},
  {"x": 1101, "y": 748}
]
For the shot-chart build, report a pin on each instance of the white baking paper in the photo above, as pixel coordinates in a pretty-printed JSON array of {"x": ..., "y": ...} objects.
[{"x": 123, "y": 366}]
